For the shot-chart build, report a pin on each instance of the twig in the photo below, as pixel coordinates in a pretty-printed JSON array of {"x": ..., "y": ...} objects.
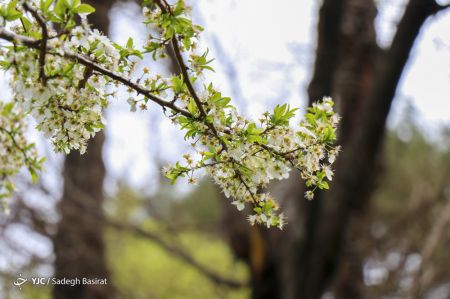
[
  {"x": 43, "y": 42},
  {"x": 440, "y": 8},
  {"x": 165, "y": 8}
]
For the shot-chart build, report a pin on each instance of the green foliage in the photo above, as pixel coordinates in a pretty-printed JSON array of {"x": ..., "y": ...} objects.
[
  {"x": 199, "y": 63},
  {"x": 282, "y": 114},
  {"x": 415, "y": 167},
  {"x": 30, "y": 291},
  {"x": 141, "y": 269},
  {"x": 9, "y": 12},
  {"x": 200, "y": 209}
]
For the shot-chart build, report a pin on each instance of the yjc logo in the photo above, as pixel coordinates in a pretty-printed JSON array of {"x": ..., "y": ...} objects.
[{"x": 20, "y": 281}]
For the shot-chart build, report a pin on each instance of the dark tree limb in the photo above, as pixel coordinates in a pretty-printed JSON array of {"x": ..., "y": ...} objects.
[
  {"x": 177, "y": 252},
  {"x": 327, "y": 52},
  {"x": 356, "y": 168},
  {"x": 330, "y": 225}
]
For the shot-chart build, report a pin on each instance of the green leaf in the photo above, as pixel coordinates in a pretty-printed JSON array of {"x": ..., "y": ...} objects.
[
  {"x": 26, "y": 24},
  {"x": 178, "y": 85},
  {"x": 253, "y": 130},
  {"x": 84, "y": 9},
  {"x": 11, "y": 6},
  {"x": 129, "y": 43},
  {"x": 192, "y": 107},
  {"x": 179, "y": 8},
  {"x": 282, "y": 114},
  {"x": 61, "y": 7},
  {"x": 45, "y": 5},
  {"x": 11, "y": 12},
  {"x": 54, "y": 18},
  {"x": 9, "y": 186},
  {"x": 256, "y": 139},
  {"x": 223, "y": 102},
  {"x": 34, "y": 175},
  {"x": 208, "y": 155},
  {"x": 7, "y": 108},
  {"x": 4, "y": 64},
  {"x": 75, "y": 3},
  {"x": 323, "y": 185},
  {"x": 190, "y": 134},
  {"x": 257, "y": 210}
]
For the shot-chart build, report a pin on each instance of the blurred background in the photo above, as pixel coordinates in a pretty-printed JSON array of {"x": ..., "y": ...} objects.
[{"x": 381, "y": 231}]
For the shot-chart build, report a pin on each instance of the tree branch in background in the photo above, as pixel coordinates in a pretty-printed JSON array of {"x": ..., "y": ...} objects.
[
  {"x": 170, "y": 248},
  {"x": 177, "y": 252}
]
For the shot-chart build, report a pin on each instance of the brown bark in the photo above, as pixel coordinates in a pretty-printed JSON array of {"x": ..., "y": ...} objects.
[
  {"x": 364, "y": 85},
  {"x": 79, "y": 245},
  {"x": 258, "y": 248}
]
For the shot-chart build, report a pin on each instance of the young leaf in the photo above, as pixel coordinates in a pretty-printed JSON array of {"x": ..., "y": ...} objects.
[
  {"x": 129, "y": 43},
  {"x": 26, "y": 24},
  {"x": 45, "y": 5},
  {"x": 84, "y": 9},
  {"x": 61, "y": 7},
  {"x": 192, "y": 107}
]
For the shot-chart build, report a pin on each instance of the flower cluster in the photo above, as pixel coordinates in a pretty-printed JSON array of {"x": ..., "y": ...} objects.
[
  {"x": 63, "y": 79},
  {"x": 65, "y": 98},
  {"x": 241, "y": 156},
  {"x": 244, "y": 157},
  {"x": 15, "y": 150}
]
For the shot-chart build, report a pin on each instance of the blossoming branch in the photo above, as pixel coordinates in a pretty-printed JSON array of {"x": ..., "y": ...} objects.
[{"x": 64, "y": 73}]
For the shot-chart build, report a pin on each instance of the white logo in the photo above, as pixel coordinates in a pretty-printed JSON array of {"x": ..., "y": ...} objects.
[{"x": 20, "y": 281}]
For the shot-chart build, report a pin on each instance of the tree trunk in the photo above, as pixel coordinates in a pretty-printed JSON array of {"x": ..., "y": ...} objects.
[
  {"x": 319, "y": 249},
  {"x": 363, "y": 83},
  {"x": 351, "y": 49},
  {"x": 79, "y": 245}
]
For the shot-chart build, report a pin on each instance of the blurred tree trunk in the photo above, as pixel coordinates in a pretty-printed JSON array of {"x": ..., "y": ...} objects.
[
  {"x": 319, "y": 251},
  {"x": 79, "y": 245},
  {"x": 344, "y": 68},
  {"x": 363, "y": 79}
]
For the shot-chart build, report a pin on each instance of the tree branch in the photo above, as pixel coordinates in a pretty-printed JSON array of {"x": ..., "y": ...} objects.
[
  {"x": 165, "y": 8},
  {"x": 327, "y": 54},
  {"x": 389, "y": 72},
  {"x": 43, "y": 47},
  {"x": 440, "y": 8},
  {"x": 19, "y": 39},
  {"x": 32, "y": 43}
]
